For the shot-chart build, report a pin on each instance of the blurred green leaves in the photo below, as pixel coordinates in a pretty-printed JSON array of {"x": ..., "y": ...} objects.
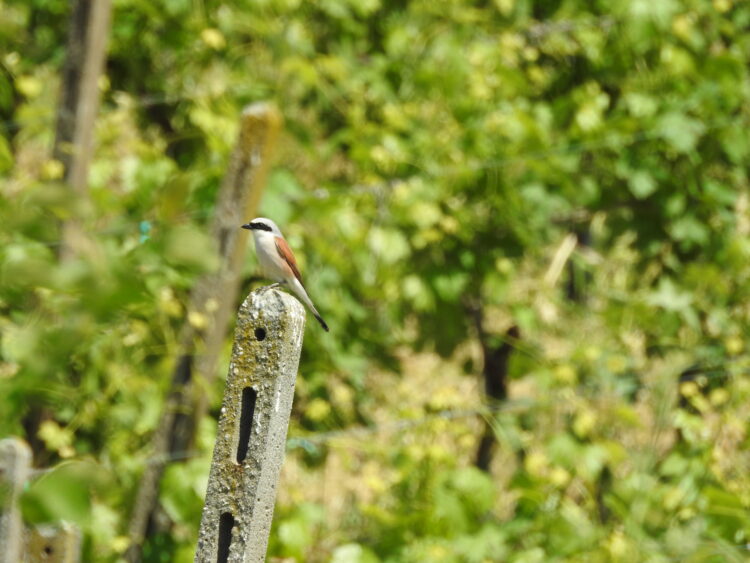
[
  {"x": 191, "y": 247},
  {"x": 65, "y": 494},
  {"x": 680, "y": 131},
  {"x": 434, "y": 156}
]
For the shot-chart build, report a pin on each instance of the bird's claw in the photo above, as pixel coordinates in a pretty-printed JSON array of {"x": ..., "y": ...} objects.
[{"x": 266, "y": 288}]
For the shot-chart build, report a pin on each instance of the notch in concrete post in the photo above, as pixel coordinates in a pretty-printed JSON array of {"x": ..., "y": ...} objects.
[
  {"x": 15, "y": 462},
  {"x": 252, "y": 430}
]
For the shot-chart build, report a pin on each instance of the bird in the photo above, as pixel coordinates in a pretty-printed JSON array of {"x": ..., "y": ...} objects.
[{"x": 277, "y": 261}]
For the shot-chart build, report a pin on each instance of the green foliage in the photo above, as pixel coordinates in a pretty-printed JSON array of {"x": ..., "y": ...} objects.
[{"x": 435, "y": 156}]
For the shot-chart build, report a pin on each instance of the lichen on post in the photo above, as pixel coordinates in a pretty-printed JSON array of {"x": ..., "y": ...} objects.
[{"x": 252, "y": 429}]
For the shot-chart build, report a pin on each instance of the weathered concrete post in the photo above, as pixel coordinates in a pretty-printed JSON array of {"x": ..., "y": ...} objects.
[
  {"x": 15, "y": 461},
  {"x": 252, "y": 430}
]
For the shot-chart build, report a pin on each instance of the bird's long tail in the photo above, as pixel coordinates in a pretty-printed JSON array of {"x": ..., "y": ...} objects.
[{"x": 299, "y": 290}]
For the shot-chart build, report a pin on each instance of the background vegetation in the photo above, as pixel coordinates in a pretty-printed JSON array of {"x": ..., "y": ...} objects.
[{"x": 438, "y": 161}]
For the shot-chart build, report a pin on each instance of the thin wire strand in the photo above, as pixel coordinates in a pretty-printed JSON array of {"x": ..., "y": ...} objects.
[{"x": 398, "y": 425}]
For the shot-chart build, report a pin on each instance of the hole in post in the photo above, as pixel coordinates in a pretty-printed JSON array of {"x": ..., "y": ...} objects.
[
  {"x": 226, "y": 523},
  {"x": 249, "y": 395},
  {"x": 260, "y": 333},
  {"x": 48, "y": 550}
]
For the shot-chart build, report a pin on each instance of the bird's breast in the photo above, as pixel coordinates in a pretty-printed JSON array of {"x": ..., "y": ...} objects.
[{"x": 268, "y": 257}]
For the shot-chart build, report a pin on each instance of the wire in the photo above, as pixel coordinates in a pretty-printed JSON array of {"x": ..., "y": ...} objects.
[{"x": 310, "y": 442}]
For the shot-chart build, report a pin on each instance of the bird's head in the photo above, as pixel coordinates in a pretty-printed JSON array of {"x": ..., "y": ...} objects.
[{"x": 261, "y": 224}]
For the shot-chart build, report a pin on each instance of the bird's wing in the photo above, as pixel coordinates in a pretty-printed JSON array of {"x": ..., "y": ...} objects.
[{"x": 286, "y": 254}]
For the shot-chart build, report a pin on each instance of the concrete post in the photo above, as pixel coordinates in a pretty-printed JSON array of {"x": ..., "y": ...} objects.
[
  {"x": 252, "y": 430},
  {"x": 15, "y": 461},
  {"x": 54, "y": 544}
]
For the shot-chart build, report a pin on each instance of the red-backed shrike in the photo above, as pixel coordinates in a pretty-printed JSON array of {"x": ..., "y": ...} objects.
[{"x": 277, "y": 260}]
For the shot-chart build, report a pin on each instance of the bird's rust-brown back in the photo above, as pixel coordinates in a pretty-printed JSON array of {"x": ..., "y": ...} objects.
[{"x": 288, "y": 256}]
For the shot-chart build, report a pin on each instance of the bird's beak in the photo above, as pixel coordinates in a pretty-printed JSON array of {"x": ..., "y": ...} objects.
[{"x": 248, "y": 226}]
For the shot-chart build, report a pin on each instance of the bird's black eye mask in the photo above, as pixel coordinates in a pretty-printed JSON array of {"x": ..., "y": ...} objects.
[{"x": 257, "y": 227}]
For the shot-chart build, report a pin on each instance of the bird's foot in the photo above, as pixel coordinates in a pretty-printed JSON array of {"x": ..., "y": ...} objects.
[{"x": 266, "y": 288}]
